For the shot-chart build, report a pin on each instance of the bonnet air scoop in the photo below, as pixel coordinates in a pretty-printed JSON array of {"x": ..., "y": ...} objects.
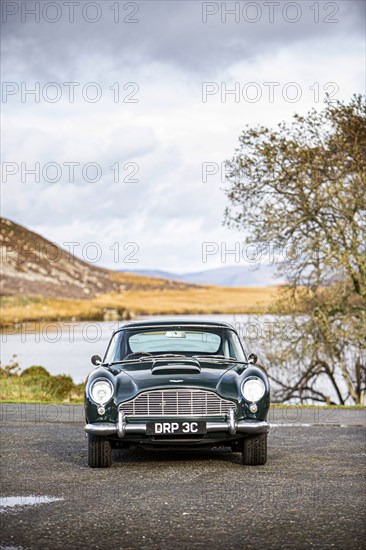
[{"x": 167, "y": 366}]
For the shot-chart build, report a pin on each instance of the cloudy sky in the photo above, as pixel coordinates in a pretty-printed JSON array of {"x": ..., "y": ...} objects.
[{"x": 129, "y": 107}]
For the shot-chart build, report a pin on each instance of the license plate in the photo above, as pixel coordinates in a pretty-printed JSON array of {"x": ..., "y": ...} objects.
[{"x": 186, "y": 427}]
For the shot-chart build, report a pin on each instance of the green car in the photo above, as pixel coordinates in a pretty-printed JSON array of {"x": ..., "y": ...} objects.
[{"x": 177, "y": 384}]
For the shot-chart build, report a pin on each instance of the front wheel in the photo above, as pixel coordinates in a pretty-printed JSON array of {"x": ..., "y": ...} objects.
[
  {"x": 99, "y": 452},
  {"x": 255, "y": 450}
]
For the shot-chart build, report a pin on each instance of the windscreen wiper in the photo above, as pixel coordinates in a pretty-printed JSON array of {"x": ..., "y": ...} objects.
[
  {"x": 209, "y": 357},
  {"x": 130, "y": 360}
]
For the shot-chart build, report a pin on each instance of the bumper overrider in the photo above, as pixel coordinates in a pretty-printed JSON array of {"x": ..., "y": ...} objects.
[{"x": 123, "y": 427}]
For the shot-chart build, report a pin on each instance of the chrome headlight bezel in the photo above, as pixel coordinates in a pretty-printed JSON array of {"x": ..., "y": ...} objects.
[
  {"x": 93, "y": 397},
  {"x": 253, "y": 381}
]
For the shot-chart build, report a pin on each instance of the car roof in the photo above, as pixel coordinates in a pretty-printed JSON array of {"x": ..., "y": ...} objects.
[{"x": 176, "y": 323}]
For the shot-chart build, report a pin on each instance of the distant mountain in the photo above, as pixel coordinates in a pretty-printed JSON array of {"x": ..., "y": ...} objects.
[
  {"x": 33, "y": 266},
  {"x": 232, "y": 276}
]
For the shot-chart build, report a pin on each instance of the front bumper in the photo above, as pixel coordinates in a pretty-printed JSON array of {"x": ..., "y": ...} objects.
[{"x": 122, "y": 427}]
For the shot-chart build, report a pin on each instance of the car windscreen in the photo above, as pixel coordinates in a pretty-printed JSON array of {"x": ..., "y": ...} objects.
[
  {"x": 173, "y": 341},
  {"x": 187, "y": 341}
]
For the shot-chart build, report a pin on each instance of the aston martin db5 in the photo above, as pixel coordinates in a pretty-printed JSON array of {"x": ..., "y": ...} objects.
[{"x": 177, "y": 384}]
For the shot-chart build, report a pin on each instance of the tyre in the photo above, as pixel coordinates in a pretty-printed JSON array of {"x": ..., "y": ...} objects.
[
  {"x": 99, "y": 452},
  {"x": 255, "y": 450}
]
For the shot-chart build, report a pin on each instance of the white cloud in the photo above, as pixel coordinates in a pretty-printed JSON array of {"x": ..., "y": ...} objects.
[{"x": 169, "y": 133}]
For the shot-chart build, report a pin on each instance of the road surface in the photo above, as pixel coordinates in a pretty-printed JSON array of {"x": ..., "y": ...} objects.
[{"x": 310, "y": 494}]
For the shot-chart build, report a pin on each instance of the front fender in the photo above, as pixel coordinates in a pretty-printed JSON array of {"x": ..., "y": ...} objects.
[
  {"x": 262, "y": 404},
  {"x": 90, "y": 408}
]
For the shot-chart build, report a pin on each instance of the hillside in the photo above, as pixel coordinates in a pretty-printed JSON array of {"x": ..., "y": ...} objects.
[
  {"x": 42, "y": 282},
  {"x": 33, "y": 266}
]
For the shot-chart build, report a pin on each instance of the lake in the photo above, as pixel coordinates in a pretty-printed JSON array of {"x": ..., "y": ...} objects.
[{"x": 66, "y": 348}]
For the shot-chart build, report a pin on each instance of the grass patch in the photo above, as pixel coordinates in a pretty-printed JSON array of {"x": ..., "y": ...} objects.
[{"x": 36, "y": 385}]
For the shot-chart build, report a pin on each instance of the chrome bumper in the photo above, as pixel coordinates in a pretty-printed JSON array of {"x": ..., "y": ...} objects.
[{"x": 121, "y": 428}]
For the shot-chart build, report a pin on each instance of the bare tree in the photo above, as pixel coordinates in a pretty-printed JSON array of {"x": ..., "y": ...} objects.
[{"x": 302, "y": 188}]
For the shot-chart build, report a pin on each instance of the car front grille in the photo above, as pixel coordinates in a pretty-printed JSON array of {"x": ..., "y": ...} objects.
[{"x": 179, "y": 402}]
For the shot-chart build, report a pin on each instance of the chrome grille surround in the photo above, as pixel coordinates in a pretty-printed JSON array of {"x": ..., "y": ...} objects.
[{"x": 183, "y": 402}]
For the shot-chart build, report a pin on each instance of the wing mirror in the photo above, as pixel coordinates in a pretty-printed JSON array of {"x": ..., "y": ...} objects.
[
  {"x": 96, "y": 360},
  {"x": 253, "y": 358}
]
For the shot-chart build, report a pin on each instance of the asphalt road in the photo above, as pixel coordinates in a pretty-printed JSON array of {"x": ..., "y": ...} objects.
[{"x": 310, "y": 494}]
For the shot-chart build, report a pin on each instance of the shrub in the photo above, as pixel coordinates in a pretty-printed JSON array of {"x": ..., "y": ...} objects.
[
  {"x": 59, "y": 386},
  {"x": 36, "y": 371}
]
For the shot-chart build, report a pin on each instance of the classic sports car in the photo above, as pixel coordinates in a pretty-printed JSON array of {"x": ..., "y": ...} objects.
[{"x": 176, "y": 384}]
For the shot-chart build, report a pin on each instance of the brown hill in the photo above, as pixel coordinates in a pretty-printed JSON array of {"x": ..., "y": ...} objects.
[{"x": 33, "y": 266}]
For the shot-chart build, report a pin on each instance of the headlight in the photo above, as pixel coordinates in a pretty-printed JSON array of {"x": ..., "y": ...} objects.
[
  {"x": 101, "y": 391},
  {"x": 253, "y": 389}
]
